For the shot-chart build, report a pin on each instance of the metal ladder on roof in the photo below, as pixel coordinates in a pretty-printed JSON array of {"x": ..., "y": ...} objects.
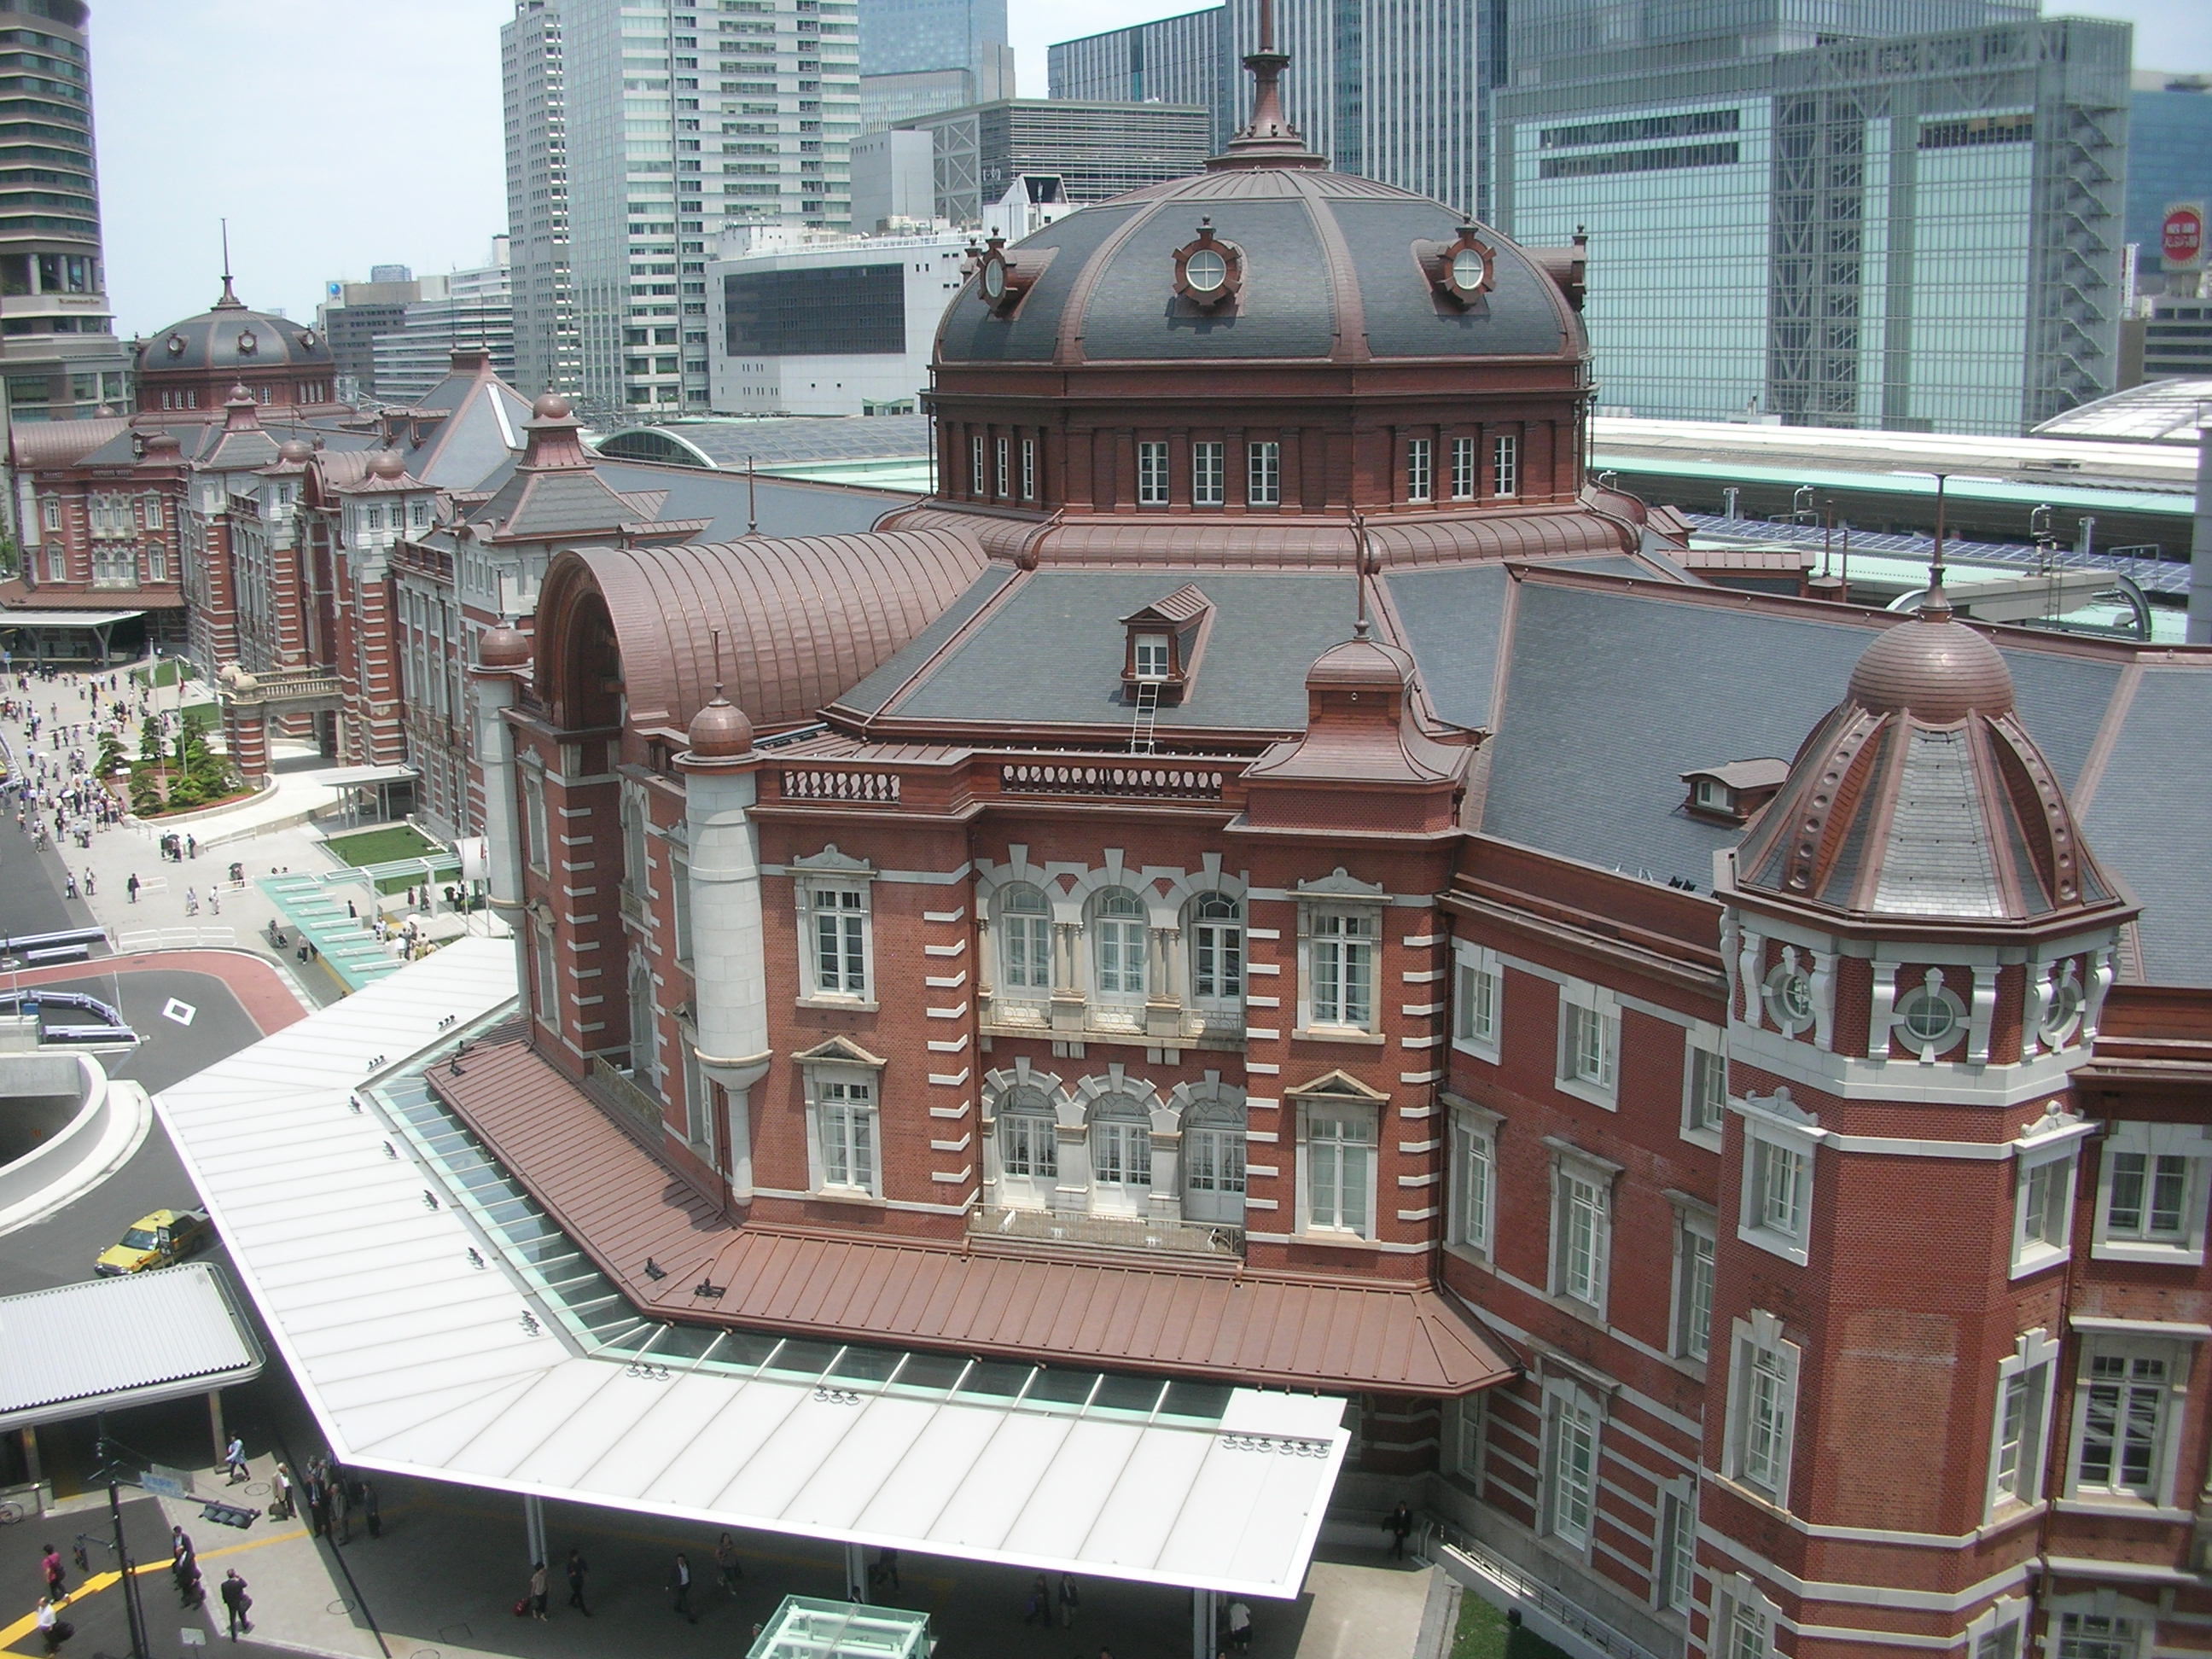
[{"x": 1148, "y": 709}]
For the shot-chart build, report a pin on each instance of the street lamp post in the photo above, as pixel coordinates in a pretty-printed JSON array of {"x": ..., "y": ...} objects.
[{"x": 132, "y": 1610}]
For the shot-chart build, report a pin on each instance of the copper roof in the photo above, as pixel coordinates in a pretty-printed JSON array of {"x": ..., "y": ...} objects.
[
  {"x": 801, "y": 620},
  {"x": 622, "y": 1206}
]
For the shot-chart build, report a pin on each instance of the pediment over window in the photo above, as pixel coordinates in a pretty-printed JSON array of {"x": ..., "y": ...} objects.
[
  {"x": 839, "y": 1051},
  {"x": 830, "y": 858},
  {"x": 1339, "y": 1085},
  {"x": 1338, "y": 884}
]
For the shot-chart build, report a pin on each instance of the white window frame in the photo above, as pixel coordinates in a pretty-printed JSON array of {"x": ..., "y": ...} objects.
[
  {"x": 1032, "y": 929},
  {"x": 2099, "y": 1626},
  {"x": 57, "y": 561},
  {"x": 1131, "y": 1133},
  {"x": 1029, "y": 468},
  {"x": 1761, "y": 1450},
  {"x": 1151, "y": 656},
  {"x": 1152, "y": 473},
  {"x": 1999, "y": 1630},
  {"x": 1742, "y": 1622},
  {"x": 1773, "y": 1128},
  {"x": 1473, "y": 1186},
  {"x": 50, "y": 512},
  {"x": 2168, "y": 1396},
  {"x": 1581, "y": 1246},
  {"x": 844, "y": 1119},
  {"x": 1324, "y": 1204},
  {"x": 1217, "y": 947},
  {"x": 976, "y": 467},
  {"x": 1209, "y": 472},
  {"x": 2118, "y": 1240},
  {"x": 1568, "y": 1481},
  {"x": 1704, "y": 1064},
  {"x": 1263, "y": 474},
  {"x": 546, "y": 967},
  {"x": 1505, "y": 465},
  {"x": 1466, "y": 1444},
  {"x": 1590, "y": 1043},
  {"x": 680, "y": 934},
  {"x": 2042, "y": 1206},
  {"x": 1420, "y": 470},
  {"x": 848, "y": 897},
  {"x": 1697, "y": 1257},
  {"x": 1478, "y": 1001},
  {"x": 1004, "y": 454},
  {"x": 1041, "y": 1130},
  {"x": 2020, "y": 1426},
  {"x": 1340, "y": 959},
  {"x": 1675, "y": 1548},
  {"x": 1463, "y": 469},
  {"x": 1116, "y": 932},
  {"x": 536, "y": 822}
]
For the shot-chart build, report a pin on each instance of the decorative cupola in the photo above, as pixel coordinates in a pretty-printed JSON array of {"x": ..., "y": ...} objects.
[
  {"x": 386, "y": 503},
  {"x": 1918, "y": 887},
  {"x": 1164, "y": 641},
  {"x": 554, "y": 439},
  {"x": 1363, "y": 763}
]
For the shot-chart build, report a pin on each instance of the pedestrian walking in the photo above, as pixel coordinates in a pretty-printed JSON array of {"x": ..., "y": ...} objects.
[
  {"x": 576, "y": 1570},
  {"x": 189, "y": 1592},
  {"x": 215, "y": 900},
  {"x": 132, "y": 887},
  {"x": 1068, "y": 1601},
  {"x": 54, "y": 1629},
  {"x": 680, "y": 1582},
  {"x": 237, "y": 1603},
  {"x": 91, "y": 883},
  {"x": 192, "y": 900},
  {"x": 193, "y": 844},
  {"x": 234, "y": 1455},
  {"x": 280, "y": 1495},
  {"x": 1398, "y": 1524},
  {"x": 728, "y": 1567},
  {"x": 183, "y": 1561},
  {"x": 341, "y": 1507},
  {"x": 537, "y": 1589},
  {"x": 50, "y": 1565},
  {"x": 1039, "y": 1610},
  {"x": 1240, "y": 1626}
]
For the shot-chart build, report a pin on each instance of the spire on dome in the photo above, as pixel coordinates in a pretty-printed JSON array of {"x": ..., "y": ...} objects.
[
  {"x": 1268, "y": 139},
  {"x": 229, "y": 301}
]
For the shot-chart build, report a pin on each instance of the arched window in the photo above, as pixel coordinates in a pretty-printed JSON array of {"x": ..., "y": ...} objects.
[
  {"x": 1121, "y": 1151},
  {"x": 1025, "y": 939},
  {"x": 1213, "y": 1161},
  {"x": 1027, "y": 1145},
  {"x": 1216, "y": 930},
  {"x": 644, "y": 1052},
  {"x": 1117, "y": 932}
]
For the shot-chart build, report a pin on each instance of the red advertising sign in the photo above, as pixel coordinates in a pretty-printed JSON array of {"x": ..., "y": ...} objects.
[{"x": 2182, "y": 237}]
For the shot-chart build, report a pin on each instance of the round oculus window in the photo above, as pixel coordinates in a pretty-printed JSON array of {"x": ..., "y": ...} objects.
[
  {"x": 1468, "y": 268},
  {"x": 1931, "y": 1017},
  {"x": 2065, "y": 1008},
  {"x": 994, "y": 280},
  {"x": 1205, "y": 271},
  {"x": 1789, "y": 997}
]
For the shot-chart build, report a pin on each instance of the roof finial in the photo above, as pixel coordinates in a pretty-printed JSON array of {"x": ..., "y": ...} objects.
[
  {"x": 1936, "y": 606},
  {"x": 715, "y": 633},
  {"x": 229, "y": 301},
  {"x": 1267, "y": 139},
  {"x": 752, "y": 514},
  {"x": 1359, "y": 623}
]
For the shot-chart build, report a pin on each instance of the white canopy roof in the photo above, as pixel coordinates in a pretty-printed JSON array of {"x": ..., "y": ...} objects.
[
  {"x": 422, "y": 1351},
  {"x": 132, "y": 1340}
]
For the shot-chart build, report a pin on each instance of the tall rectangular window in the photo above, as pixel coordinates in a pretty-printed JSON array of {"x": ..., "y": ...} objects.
[
  {"x": 1474, "y": 1178},
  {"x": 1005, "y": 474},
  {"x": 1693, "y": 1286},
  {"x": 1152, "y": 474},
  {"x": 1029, "y": 468},
  {"x": 548, "y": 985},
  {"x": 1763, "y": 1407},
  {"x": 2149, "y": 1196},
  {"x": 57, "y": 563},
  {"x": 1676, "y": 1537},
  {"x": 1705, "y": 1100},
  {"x": 50, "y": 512},
  {"x": 1420, "y": 484},
  {"x": 1463, "y": 469},
  {"x": 1263, "y": 474},
  {"x": 1569, "y": 1468},
  {"x": 536, "y": 826},
  {"x": 2043, "y": 1208},
  {"x": 841, "y": 941},
  {"x": 847, "y": 1111},
  {"x": 2122, "y": 1406},
  {"x": 1340, "y": 1170},
  {"x": 1583, "y": 1235},
  {"x": 1590, "y": 1048},
  {"x": 1778, "y": 1188},
  {"x": 1208, "y": 474},
  {"x": 1474, "y": 1005},
  {"x": 698, "y": 1100},
  {"x": 1506, "y": 466},
  {"x": 976, "y": 465},
  {"x": 2016, "y": 1465},
  {"x": 1343, "y": 987}
]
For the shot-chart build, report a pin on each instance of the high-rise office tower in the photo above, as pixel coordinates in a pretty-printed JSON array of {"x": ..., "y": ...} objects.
[
  {"x": 679, "y": 119},
  {"x": 1396, "y": 90},
  {"x": 918, "y": 56},
  {"x": 538, "y": 197},
  {"x": 1915, "y": 231},
  {"x": 1174, "y": 60},
  {"x": 58, "y": 341},
  {"x": 2169, "y": 162},
  {"x": 1095, "y": 150}
]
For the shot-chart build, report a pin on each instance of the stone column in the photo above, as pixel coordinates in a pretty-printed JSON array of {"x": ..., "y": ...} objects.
[{"x": 495, "y": 689}]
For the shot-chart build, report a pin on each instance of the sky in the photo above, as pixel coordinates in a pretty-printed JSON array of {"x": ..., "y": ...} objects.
[{"x": 336, "y": 135}]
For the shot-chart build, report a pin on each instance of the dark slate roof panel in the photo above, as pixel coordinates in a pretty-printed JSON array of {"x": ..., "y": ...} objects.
[
  {"x": 786, "y": 508},
  {"x": 1284, "y": 308},
  {"x": 972, "y": 334},
  {"x": 873, "y": 692},
  {"x": 1052, "y": 650},
  {"x": 2062, "y": 701},
  {"x": 1450, "y": 619},
  {"x": 2146, "y": 821},
  {"x": 1405, "y": 319}
]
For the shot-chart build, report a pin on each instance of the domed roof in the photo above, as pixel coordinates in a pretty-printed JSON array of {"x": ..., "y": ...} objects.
[
  {"x": 229, "y": 337},
  {"x": 1360, "y": 662},
  {"x": 1934, "y": 669},
  {"x": 502, "y": 646},
  {"x": 720, "y": 731}
]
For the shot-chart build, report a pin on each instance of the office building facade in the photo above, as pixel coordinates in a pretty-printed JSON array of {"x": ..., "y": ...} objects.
[
  {"x": 918, "y": 56},
  {"x": 463, "y": 311},
  {"x": 1921, "y": 233},
  {"x": 534, "y": 108},
  {"x": 352, "y": 315},
  {"x": 676, "y": 121},
  {"x": 2169, "y": 161},
  {"x": 1174, "y": 60},
  {"x": 1095, "y": 150},
  {"x": 58, "y": 344}
]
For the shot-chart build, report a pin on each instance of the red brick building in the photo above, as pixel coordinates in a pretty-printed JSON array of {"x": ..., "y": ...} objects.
[{"x": 1270, "y": 878}]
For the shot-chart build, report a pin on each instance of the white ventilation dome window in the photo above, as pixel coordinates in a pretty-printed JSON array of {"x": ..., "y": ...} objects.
[{"x": 1206, "y": 270}]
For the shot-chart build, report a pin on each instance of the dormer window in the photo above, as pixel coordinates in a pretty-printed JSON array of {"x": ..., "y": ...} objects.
[
  {"x": 1461, "y": 270},
  {"x": 1001, "y": 281},
  {"x": 1208, "y": 271},
  {"x": 1164, "y": 641},
  {"x": 1734, "y": 792}
]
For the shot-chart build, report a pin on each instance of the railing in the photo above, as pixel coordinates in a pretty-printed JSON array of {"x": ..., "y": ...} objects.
[
  {"x": 270, "y": 688},
  {"x": 879, "y": 787},
  {"x": 1117, "y": 1232},
  {"x": 1484, "y": 1563},
  {"x": 614, "y": 1089},
  {"x": 1150, "y": 783},
  {"x": 633, "y": 905},
  {"x": 428, "y": 560},
  {"x": 175, "y": 938}
]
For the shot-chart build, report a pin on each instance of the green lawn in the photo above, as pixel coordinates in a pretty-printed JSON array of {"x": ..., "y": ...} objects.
[
  {"x": 1483, "y": 1633},
  {"x": 166, "y": 671},
  {"x": 397, "y": 841}
]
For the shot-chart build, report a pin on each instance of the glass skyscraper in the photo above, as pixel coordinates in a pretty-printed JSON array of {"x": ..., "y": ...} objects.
[
  {"x": 918, "y": 56},
  {"x": 1175, "y": 60},
  {"x": 545, "y": 352},
  {"x": 1919, "y": 232},
  {"x": 2169, "y": 155},
  {"x": 679, "y": 119}
]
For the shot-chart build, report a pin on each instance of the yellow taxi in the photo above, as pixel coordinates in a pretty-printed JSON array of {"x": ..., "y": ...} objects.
[{"x": 155, "y": 1241}]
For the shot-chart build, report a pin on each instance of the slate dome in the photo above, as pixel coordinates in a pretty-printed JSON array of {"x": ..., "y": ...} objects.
[{"x": 229, "y": 337}]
